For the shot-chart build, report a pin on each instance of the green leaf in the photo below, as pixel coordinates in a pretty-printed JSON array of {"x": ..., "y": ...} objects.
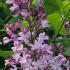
[
  {"x": 4, "y": 12},
  {"x": 55, "y": 19},
  {"x": 66, "y": 5},
  {"x": 2, "y": 63},
  {"x": 65, "y": 40},
  {"x": 3, "y": 5},
  {"x": 59, "y": 3},
  {"x": 5, "y": 54},
  {"x": 33, "y": 2},
  {"x": 51, "y": 6},
  {"x": 14, "y": 18},
  {"x": 67, "y": 49},
  {"x": 2, "y": 0},
  {"x": 61, "y": 6}
]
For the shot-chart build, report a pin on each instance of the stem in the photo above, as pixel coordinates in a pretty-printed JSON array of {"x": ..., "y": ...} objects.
[
  {"x": 31, "y": 32},
  {"x": 30, "y": 27},
  {"x": 55, "y": 35}
]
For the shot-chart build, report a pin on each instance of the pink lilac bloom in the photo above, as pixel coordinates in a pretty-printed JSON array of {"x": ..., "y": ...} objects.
[
  {"x": 17, "y": 43},
  {"x": 9, "y": 62},
  {"x": 14, "y": 7},
  {"x": 10, "y": 27},
  {"x": 16, "y": 57},
  {"x": 20, "y": 1},
  {"x": 9, "y": 32},
  {"x": 14, "y": 37},
  {"x": 6, "y": 40},
  {"x": 17, "y": 49},
  {"x": 18, "y": 24},
  {"x": 9, "y": 1},
  {"x": 24, "y": 13},
  {"x": 16, "y": 1}
]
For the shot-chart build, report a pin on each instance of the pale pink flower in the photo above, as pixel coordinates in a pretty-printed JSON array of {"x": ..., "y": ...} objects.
[
  {"x": 17, "y": 43},
  {"x": 17, "y": 49},
  {"x": 24, "y": 13},
  {"x": 14, "y": 37},
  {"x": 10, "y": 27},
  {"x": 16, "y": 57},
  {"x": 18, "y": 24},
  {"x": 9, "y": 62},
  {"x": 9, "y": 32},
  {"x": 14, "y": 7},
  {"x": 16, "y": 1},
  {"x": 6, "y": 40},
  {"x": 24, "y": 1},
  {"x": 9, "y": 1}
]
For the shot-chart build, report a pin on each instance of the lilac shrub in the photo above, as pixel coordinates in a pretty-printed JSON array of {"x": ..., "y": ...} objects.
[{"x": 31, "y": 51}]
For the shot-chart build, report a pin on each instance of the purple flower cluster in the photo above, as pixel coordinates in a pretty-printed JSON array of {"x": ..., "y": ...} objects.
[
  {"x": 18, "y": 6},
  {"x": 27, "y": 54},
  {"x": 39, "y": 57}
]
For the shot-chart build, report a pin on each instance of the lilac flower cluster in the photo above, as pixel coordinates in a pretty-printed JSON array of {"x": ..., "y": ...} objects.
[
  {"x": 39, "y": 57},
  {"x": 27, "y": 54},
  {"x": 18, "y": 6}
]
